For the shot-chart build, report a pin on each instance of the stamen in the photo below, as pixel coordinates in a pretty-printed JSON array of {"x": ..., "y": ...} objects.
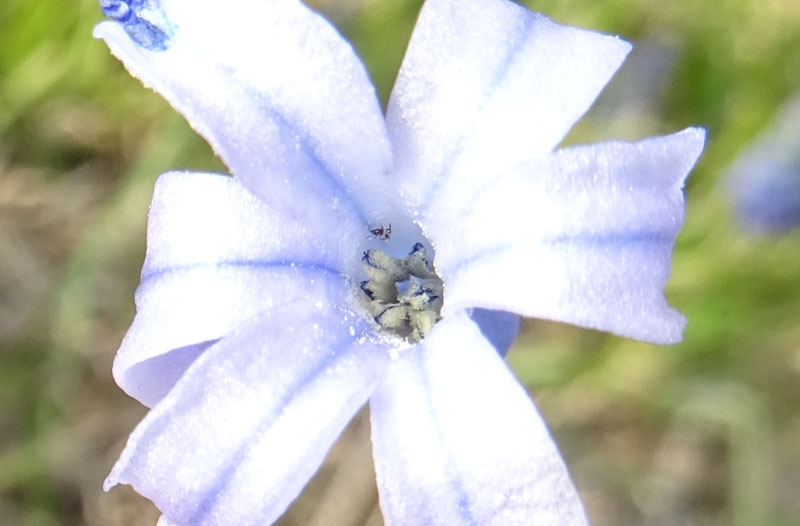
[
  {"x": 380, "y": 266},
  {"x": 410, "y": 310}
]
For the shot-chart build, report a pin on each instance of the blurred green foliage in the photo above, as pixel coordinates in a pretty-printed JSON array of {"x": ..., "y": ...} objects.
[{"x": 702, "y": 433}]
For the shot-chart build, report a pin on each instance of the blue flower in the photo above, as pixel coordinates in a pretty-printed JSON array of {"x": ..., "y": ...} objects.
[
  {"x": 354, "y": 258},
  {"x": 765, "y": 180}
]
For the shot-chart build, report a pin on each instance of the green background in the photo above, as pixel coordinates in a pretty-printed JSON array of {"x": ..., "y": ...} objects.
[{"x": 702, "y": 433}]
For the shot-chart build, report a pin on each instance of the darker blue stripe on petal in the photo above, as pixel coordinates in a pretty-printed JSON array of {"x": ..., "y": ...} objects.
[
  {"x": 261, "y": 265},
  {"x": 498, "y": 77},
  {"x": 610, "y": 239},
  {"x": 464, "y": 511},
  {"x": 304, "y": 144},
  {"x": 607, "y": 240},
  {"x": 226, "y": 477},
  {"x": 337, "y": 189}
]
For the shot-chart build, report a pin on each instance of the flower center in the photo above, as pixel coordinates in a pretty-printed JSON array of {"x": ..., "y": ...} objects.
[{"x": 404, "y": 296}]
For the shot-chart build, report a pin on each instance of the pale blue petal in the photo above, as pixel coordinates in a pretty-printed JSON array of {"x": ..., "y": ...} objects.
[
  {"x": 251, "y": 420},
  {"x": 484, "y": 84},
  {"x": 584, "y": 236},
  {"x": 198, "y": 218},
  {"x": 149, "y": 377},
  {"x": 277, "y": 92},
  {"x": 457, "y": 441},
  {"x": 216, "y": 256},
  {"x": 499, "y": 327}
]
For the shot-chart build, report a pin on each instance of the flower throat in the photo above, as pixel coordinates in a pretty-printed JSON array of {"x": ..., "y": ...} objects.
[{"x": 403, "y": 295}]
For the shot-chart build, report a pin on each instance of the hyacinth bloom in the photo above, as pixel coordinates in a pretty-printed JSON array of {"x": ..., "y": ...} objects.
[
  {"x": 355, "y": 257},
  {"x": 765, "y": 180}
]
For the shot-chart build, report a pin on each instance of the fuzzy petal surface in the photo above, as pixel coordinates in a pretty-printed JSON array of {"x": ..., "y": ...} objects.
[
  {"x": 251, "y": 420},
  {"x": 583, "y": 236},
  {"x": 457, "y": 441},
  {"x": 278, "y": 94},
  {"x": 485, "y": 84},
  {"x": 217, "y": 255}
]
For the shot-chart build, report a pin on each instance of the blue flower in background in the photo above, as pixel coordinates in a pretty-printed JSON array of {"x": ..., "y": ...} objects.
[
  {"x": 765, "y": 180},
  {"x": 357, "y": 258}
]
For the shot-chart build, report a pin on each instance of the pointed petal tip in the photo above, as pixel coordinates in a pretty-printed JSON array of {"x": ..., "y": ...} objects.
[
  {"x": 698, "y": 131},
  {"x": 110, "y": 481},
  {"x": 618, "y": 47},
  {"x": 100, "y": 31},
  {"x": 695, "y": 140},
  {"x": 673, "y": 332},
  {"x": 625, "y": 47},
  {"x": 697, "y": 137},
  {"x": 117, "y": 474}
]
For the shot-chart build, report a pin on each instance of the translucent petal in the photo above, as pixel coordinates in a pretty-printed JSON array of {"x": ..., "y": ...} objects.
[
  {"x": 251, "y": 420},
  {"x": 216, "y": 256},
  {"x": 484, "y": 84},
  {"x": 276, "y": 91},
  {"x": 458, "y": 442},
  {"x": 583, "y": 236}
]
